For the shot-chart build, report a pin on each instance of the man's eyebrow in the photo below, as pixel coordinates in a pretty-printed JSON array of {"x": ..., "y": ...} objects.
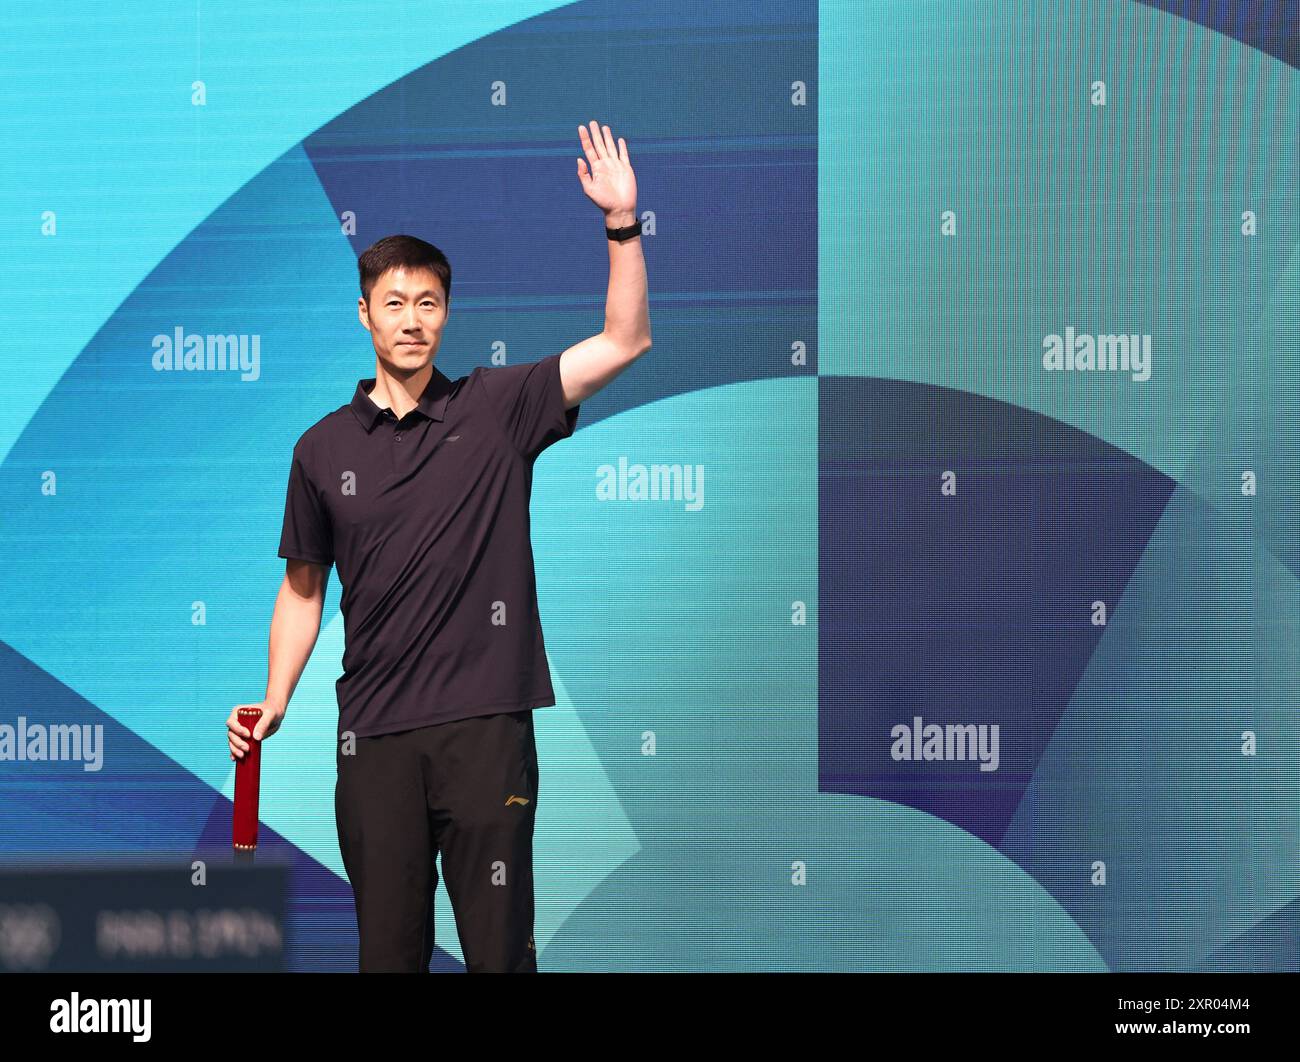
[{"x": 426, "y": 291}]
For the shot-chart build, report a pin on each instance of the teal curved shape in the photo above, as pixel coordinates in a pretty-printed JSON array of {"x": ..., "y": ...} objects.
[
  {"x": 689, "y": 653},
  {"x": 1118, "y": 219},
  {"x": 159, "y": 488},
  {"x": 150, "y": 120}
]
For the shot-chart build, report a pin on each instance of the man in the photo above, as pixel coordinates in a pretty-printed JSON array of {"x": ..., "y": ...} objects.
[{"x": 417, "y": 490}]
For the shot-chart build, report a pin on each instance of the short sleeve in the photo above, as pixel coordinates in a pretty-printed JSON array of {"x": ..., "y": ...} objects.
[
  {"x": 528, "y": 400},
  {"x": 307, "y": 533}
]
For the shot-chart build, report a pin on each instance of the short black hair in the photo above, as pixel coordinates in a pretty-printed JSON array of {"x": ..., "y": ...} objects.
[{"x": 401, "y": 252}]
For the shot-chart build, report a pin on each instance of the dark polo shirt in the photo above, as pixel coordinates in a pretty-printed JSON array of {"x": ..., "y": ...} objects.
[{"x": 426, "y": 520}]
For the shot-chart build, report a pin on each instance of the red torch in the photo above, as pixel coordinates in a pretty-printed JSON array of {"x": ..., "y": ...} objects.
[{"x": 247, "y": 777}]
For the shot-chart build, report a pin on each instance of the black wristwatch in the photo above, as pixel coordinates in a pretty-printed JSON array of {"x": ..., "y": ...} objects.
[{"x": 625, "y": 233}]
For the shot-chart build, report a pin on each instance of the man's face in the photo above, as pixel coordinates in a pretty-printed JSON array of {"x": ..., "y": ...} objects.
[{"x": 405, "y": 317}]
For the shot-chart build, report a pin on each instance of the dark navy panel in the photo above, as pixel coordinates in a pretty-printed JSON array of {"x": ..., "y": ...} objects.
[
  {"x": 972, "y": 609},
  {"x": 137, "y": 802},
  {"x": 1272, "y": 26},
  {"x": 724, "y": 159}
]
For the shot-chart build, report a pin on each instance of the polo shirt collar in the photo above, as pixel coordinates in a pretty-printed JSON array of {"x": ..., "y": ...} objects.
[{"x": 432, "y": 403}]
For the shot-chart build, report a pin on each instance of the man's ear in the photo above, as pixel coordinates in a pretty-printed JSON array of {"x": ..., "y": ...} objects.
[{"x": 363, "y": 313}]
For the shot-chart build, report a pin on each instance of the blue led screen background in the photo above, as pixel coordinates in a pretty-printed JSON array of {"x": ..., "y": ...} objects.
[{"x": 883, "y": 240}]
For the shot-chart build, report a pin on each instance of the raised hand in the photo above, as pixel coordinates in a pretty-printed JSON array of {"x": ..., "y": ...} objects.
[{"x": 610, "y": 182}]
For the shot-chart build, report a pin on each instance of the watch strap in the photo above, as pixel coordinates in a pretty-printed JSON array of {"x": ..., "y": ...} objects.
[{"x": 627, "y": 232}]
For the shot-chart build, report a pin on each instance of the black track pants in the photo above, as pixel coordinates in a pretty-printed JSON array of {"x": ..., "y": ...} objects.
[{"x": 466, "y": 789}]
